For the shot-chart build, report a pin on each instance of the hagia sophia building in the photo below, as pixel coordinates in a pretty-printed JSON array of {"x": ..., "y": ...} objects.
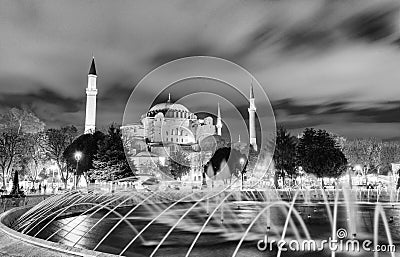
[{"x": 165, "y": 128}]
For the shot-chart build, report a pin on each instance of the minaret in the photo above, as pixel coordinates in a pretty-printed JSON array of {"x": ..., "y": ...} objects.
[
  {"x": 91, "y": 92},
  {"x": 219, "y": 122},
  {"x": 252, "y": 119}
]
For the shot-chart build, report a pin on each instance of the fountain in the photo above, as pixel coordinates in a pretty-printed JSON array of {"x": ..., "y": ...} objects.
[
  {"x": 224, "y": 221},
  {"x": 221, "y": 219}
]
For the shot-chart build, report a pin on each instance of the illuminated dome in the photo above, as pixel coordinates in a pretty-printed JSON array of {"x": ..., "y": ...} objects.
[{"x": 167, "y": 107}]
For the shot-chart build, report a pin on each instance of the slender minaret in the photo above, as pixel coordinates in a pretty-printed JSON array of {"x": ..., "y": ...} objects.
[
  {"x": 252, "y": 119},
  {"x": 219, "y": 122},
  {"x": 91, "y": 92}
]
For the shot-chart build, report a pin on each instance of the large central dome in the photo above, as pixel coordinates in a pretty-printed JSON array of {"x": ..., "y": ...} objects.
[{"x": 166, "y": 107}]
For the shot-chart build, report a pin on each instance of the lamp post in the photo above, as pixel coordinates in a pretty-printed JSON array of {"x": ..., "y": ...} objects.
[
  {"x": 241, "y": 172},
  {"x": 350, "y": 173},
  {"x": 301, "y": 172},
  {"x": 78, "y": 156},
  {"x": 52, "y": 180},
  {"x": 357, "y": 169}
]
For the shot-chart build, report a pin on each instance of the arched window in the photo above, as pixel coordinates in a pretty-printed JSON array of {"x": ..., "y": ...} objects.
[
  {"x": 177, "y": 131},
  {"x": 182, "y": 132},
  {"x": 166, "y": 133},
  {"x": 172, "y": 131}
]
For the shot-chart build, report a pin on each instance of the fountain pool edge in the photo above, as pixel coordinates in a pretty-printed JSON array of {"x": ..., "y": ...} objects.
[{"x": 9, "y": 216}]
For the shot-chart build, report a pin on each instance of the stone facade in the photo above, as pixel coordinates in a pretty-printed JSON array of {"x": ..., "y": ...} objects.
[{"x": 168, "y": 127}]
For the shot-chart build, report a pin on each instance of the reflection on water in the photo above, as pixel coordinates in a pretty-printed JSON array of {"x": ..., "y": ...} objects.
[{"x": 221, "y": 235}]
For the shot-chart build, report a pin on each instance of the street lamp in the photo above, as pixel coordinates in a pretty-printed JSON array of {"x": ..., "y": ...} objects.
[
  {"x": 78, "y": 157},
  {"x": 53, "y": 168},
  {"x": 366, "y": 167},
  {"x": 350, "y": 170},
  {"x": 241, "y": 172},
  {"x": 301, "y": 173},
  {"x": 357, "y": 168}
]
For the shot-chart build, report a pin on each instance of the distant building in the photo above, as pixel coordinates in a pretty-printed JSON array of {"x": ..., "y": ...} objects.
[
  {"x": 165, "y": 128},
  {"x": 252, "y": 119},
  {"x": 168, "y": 127},
  {"x": 91, "y": 93},
  {"x": 172, "y": 123}
]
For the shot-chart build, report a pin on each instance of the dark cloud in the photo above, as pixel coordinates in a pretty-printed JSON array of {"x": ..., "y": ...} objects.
[
  {"x": 43, "y": 95},
  {"x": 290, "y": 106},
  {"x": 115, "y": 93},
  {"x": 306, "y": 54},
  {"x": 51, "y": 107},
  {"x": 373, "y": 24},
  {"x": 382, "y": 114},
  {"x": 295, "y": 115},
  {"x": 167, "y": 55},
  {"x": 327, "y": 25}
]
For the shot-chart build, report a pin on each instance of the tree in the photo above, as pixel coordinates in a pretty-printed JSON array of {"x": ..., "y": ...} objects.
[
  {"x": 285, "y": 154},
  {"x": 390, "y": 153},
  {"x": 43, "y": 174},
  {"x": 164, "y": 169},
  {"x": 366, "y": 152},
  {"x": 319, "y": 154},
  {"x": 57, "y": 141},
  {"x": 87, "y": 144},
  {"x": 34, "y": 158},
  {"x": 374, "y": 155},
  {"x": 231, "y": 157},
  {"x": 110, "y": 162},
  {"x": 16, "y": 191},
  {"x": 16, "y": 126},
  {"x": 179, "y": 164}
]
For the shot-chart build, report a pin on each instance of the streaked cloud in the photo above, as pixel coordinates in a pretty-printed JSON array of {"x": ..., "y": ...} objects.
[{"x": 331, "y": 63}]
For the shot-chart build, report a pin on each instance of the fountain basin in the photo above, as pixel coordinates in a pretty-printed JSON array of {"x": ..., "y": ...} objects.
[{"x": 134, "y": 225}]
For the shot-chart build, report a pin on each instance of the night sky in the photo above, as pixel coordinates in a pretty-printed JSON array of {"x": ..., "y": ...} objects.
[{"x": 332, "y": 64}]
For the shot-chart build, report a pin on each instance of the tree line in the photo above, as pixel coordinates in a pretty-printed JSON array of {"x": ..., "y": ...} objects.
[
  {"x": 324, "y": 154},
  {"x": 317, "y": 152},
  {"x": 373, "y": 155},
  {"x": 27, "y": 147}
]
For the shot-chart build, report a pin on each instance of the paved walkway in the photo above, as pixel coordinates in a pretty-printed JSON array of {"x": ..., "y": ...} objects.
[
  {"x": 21, "y": 245},
  {"x": 10, "y": 246}
]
